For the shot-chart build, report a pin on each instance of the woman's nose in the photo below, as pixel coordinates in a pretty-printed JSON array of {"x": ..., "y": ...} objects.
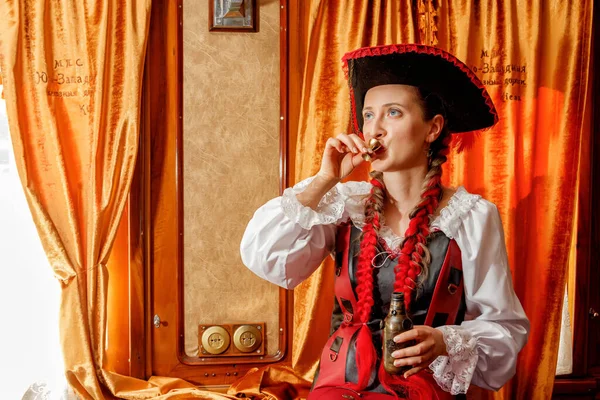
[
  {"x": 378, "y": 131},
  {"x": 375, "y": 134},
  {"x": 375, "y": 129}
]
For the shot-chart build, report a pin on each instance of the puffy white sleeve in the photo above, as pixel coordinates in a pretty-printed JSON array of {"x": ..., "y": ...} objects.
[
  {"x": 483, "y": 349},
  {"x": 285, "y": 242}
]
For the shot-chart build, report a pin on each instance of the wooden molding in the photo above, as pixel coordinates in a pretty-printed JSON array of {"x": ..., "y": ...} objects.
[
  {"x": 575, "y": 386},
  {"x": 592, "y": 329},
  {"x": 157, "y": 265},
  {"x": 587, "y": 225}
]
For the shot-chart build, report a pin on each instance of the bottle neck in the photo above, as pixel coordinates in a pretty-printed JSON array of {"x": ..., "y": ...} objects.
[{"x": 397, "y": 307}]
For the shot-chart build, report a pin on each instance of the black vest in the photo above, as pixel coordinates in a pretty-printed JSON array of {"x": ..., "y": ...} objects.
[{"x": 384, "y": 278}]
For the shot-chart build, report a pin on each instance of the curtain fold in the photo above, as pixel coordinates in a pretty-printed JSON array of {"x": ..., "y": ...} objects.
[{"x": 534, "y": 58}]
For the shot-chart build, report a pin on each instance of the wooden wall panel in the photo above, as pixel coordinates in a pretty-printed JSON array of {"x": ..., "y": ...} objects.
[
  {"x": 162, "y": 223},
  {"x": 230, "y": 168}
]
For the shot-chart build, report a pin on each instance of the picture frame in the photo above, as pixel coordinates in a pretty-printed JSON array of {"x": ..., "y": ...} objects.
[{"x": 233, "y": 16}]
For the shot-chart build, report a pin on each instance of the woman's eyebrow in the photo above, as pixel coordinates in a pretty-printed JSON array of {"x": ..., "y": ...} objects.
[
  {"x": 386, "y": 105},
  {"x": 394, "y": 104}
]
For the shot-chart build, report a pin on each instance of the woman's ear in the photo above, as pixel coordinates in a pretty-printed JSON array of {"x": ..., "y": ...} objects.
[{"x": 437, "y": 124}]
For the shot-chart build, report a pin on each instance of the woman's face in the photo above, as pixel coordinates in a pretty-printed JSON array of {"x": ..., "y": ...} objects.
[{"x": 393, "y": 115}]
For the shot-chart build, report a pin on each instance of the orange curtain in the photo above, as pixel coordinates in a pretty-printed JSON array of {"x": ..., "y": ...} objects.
[
  {"x": 534, "y": 58},
  {"x": 1, "y": 91},
  {"x": 72, "y": 74}
]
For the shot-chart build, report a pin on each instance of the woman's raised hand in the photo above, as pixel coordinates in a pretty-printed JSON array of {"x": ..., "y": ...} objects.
[{"x": 342, "y": 154}]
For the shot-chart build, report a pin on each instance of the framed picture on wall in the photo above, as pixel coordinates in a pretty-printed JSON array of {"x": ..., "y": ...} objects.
[{"x": 233, "y": 16}]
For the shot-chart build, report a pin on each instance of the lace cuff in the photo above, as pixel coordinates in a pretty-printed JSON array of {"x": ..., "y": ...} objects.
[
  {"x": 454, "y": 372},
  {"x": 329, "y": 210}
]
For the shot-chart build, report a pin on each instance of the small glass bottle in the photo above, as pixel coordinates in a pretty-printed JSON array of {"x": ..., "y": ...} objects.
[{"x": 396, "y": 322}]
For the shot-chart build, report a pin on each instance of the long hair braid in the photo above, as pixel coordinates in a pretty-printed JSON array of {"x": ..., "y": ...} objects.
[
  {"x": 414, "y": 256},
  {"x": 366, "y": 355}
]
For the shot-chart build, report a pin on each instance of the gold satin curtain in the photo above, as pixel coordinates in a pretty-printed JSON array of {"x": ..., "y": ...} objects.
[
  {"x": 72, "y": 71},
  {"x": 534, "y": 58}
]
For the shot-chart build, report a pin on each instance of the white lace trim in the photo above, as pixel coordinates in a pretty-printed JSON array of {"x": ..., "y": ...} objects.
[
  {"x": 392, "y": 240},
  {"x": 451, "y": 216},
  {"x": 357, "y": 215},
  {"x": 53, "y": 390},
  {"x": 454, "y": 372},
  {"x": 348, "y": 196},
  {"x": 448, "y": 221}
]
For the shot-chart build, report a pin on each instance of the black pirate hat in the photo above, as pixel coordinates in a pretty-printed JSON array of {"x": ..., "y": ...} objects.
[{"x": 468, "y": 104}]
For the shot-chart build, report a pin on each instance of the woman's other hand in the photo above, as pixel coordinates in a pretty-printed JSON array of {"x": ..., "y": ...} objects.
[{"x": 429, "y": 344}]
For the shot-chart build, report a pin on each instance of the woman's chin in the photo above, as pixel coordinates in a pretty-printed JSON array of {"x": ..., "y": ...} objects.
[
  {"x": 386, "y": 166},
  {"x": 379, "y": 165}
]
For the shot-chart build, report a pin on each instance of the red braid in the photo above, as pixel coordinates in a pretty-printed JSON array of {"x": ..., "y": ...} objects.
[
  {"x": 366, "y": 355},
  {"x": 414, "y": 255},
  {"x": 414, "y": 259}
]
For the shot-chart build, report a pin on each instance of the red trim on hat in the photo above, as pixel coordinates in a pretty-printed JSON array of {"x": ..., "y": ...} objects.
[{"x": 412, "y": 48}]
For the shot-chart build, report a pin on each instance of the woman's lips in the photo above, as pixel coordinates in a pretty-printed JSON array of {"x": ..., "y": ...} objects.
[
  {"x": 375, "y": 148},
  {"x": 378, "y": 152}
]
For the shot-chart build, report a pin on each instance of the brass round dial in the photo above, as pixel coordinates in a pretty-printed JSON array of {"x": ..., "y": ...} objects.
[
  {"x": 247, "y": 338},
  {"x": 215, "y": 340}
]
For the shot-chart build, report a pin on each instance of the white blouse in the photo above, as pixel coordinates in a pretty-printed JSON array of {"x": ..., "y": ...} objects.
[{"x": 285, "y": 242}]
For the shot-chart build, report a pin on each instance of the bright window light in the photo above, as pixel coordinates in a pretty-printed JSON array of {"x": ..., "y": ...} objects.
[{"x": 31, "y": 364}]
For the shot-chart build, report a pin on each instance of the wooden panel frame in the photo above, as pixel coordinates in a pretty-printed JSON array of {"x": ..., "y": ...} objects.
[{"x": 156, "y": 270}]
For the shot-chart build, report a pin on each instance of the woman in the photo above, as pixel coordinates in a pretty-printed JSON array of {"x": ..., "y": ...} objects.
[{"x": 402, "y": 232}]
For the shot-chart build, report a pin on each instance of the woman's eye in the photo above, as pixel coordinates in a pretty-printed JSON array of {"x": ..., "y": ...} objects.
[
  {"x": 367, "y": 116},
  {"x": 394, "y": 113}
]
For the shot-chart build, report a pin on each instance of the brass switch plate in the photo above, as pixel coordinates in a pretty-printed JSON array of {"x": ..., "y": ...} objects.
[
  {"x": 247, "y": 338},
  {"x": 215, "y": 340}
]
